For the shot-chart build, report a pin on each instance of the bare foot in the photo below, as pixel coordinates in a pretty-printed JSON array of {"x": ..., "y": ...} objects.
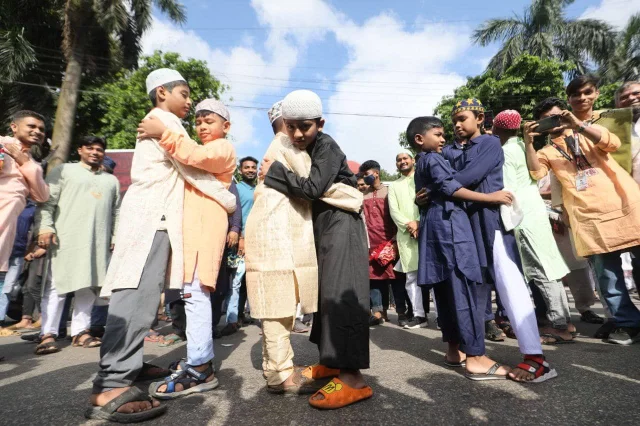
[
  {"x": 24, "y": 323},
  {"x": 482, "y": 364},
  {"x": 564, "y": 334},
  {"x": 200, "y": 368},
  {"x": 102, "y": 399},
  {"x": 571, "y": 328}
]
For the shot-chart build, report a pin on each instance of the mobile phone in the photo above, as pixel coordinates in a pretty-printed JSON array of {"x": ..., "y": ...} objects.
[
  {"x": 547, "y": 124},
  {"x": 488, "y": 120}
]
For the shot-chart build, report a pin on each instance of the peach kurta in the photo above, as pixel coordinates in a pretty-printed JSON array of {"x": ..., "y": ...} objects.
[
  {"x": 606, "y": 216},
  {"x": 16, "y": 184},
  {"x": 205, "y": 221}
]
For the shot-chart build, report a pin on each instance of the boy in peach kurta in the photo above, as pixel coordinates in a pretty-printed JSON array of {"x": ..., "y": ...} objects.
[{"x": 205, "y": 225}]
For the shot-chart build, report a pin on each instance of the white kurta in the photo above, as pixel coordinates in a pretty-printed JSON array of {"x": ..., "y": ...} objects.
[{"x": 156, "y": 191}]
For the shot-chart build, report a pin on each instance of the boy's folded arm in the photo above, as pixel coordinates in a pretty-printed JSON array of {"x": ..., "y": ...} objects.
[
  {"x": 323, "y": 173},
  {"x": 214, "y": 157}
]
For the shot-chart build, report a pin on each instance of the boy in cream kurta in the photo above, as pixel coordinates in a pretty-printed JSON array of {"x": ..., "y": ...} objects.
[
  {"x": 205, "y": 226},
  {"x": 148, "y": 246},
  {"x": 281, "y": 264}
]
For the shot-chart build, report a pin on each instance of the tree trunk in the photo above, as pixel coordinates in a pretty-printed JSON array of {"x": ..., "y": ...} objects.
[{"x": 66, "y": 110}]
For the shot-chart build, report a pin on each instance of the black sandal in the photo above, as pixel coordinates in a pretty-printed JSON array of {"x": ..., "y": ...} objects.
[
  {"x": 192, "y": 381},
  {"x": 48, "y": 347},
  {"x": 492, "y": 332},
  {"x": 90, "y": 342},
  {"x": 110, "y": 410}
]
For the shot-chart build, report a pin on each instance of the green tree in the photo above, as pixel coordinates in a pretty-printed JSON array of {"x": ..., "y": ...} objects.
[
  {"x": 624, "y": 64},
  {"x": 30, "y": 58},
  {"x": 526, "y": 82},
  {"x": 544, "y": 31},
  {"x": 114, "y": 109},
  {"x": 94, "y": 31},
  {"x": 385, "y": 176}
]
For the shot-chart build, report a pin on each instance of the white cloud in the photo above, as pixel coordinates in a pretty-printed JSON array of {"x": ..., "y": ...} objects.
[
  {"x": 390, "y": 71},
  {"x": 615, "y": 12}
]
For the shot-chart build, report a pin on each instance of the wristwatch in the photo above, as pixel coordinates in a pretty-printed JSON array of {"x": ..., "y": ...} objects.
[{"x": 583, "y": 126}]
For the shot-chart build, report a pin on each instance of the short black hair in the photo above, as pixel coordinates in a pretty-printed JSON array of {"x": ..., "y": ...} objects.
[
  {"x": 168, "y": 86},
  {"x": 546, "y": 105},
  {"x": 248, "y": 158},
  {"x": 204, "y": 112},
  {"x": 581, "y": 81},
  {"x": 369, "y": 165},
  {"x": 421, "y": 125},
  {"x": 90, "y": 140},
  {"x": 25, "y": 113},
  {"x": 359, "y": 176}
]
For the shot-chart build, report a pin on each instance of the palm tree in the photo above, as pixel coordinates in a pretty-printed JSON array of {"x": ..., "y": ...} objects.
[
  {"x": 544, "y": 31},
  {"x": 112, "y": 26},
  {"x": 624, "y": 64}
]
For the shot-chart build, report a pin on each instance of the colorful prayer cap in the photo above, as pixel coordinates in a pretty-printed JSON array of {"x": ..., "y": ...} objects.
[
  {"x": 508, "y": 119},
  {"x": 275, "y": 112},
  {"x": 301, "y": 105},
  {"x": 406, "y": 151},
  {"x": 214, "y": 105},
  {"x": 162, "y": 76},
  {"x": 471, "y": 104}
]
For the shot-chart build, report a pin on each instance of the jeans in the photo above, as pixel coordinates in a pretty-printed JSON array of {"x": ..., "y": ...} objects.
[
  {"x": 8, "y": 280},
  {"x": 608, "y": 267},
  {"x": 233, "y": 296},
  {"x": 379, "y": 295}
]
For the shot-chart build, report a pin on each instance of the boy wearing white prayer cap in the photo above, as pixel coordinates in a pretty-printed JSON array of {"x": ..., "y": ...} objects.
[
  {"x": 148, "y": 252},
  {"x": 340, "y": 326}
]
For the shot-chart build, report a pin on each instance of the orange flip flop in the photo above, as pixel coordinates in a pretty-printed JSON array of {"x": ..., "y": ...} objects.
[
  {"x": 338, "y": 394},
  {"x": 318, "y": 371}
]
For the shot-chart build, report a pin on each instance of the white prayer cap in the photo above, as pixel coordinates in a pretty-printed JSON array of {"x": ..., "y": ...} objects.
[
  {"x": 406, "y": 151},
  {"x": 162, "y": 76},
  {"x": 275, "y": 112},
  {"x": 214, "y": 105},
  {"x": 301, "y": 105}
]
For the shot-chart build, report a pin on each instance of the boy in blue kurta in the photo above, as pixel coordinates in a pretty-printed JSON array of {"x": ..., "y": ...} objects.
[
  {"x": 448, "y": 257},
  {"x": 481, "y": 171}
]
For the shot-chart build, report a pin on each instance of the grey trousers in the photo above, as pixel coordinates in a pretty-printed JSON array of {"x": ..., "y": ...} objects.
[{"x": 131, "y": 313}]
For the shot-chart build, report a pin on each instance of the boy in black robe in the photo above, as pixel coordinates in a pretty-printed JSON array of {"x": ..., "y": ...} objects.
[{"x": 341, "y": 324}]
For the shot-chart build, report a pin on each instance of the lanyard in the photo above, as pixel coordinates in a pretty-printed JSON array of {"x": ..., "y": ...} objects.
[{"x": 580, "y": 159}]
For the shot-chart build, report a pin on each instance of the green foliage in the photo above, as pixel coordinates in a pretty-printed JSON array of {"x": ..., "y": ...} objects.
[
  {"x": 607, "y": 98},
  {"x": 543, "y": 30},
  {"x": 114, "y": 109},
  {"x": 385, "y": 176},
  {"x": 624, "y": 63},
  {"x": 526, "y": 82}
]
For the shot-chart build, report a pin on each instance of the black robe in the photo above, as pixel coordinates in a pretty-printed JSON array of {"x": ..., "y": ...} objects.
[{"x": 341, "y": 325}]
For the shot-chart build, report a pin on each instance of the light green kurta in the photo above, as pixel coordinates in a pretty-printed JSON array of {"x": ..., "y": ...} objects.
[
  {"x": 535, "y": 226},
  {"x": 82, "y": 211},
  {"x": 402, "y": 194}
]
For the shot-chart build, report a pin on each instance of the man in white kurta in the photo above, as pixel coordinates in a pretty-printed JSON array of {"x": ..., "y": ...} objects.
[
  {"x": 148, "y": 252},
  {"x": 80, "y": 216}
]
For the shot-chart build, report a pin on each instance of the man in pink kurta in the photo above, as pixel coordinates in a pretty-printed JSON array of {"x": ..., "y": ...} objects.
[{"x": 20, "y": 177}]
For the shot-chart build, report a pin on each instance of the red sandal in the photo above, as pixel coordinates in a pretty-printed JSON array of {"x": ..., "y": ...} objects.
[{"x": 541, "y": 374}]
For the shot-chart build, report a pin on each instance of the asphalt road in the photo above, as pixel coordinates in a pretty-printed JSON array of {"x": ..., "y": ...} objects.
[{"x": 598, "y": 383}]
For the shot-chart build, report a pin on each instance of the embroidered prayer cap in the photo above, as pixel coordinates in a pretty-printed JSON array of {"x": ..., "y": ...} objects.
[
  {"x": 301, "y": 105},
  {"x": 471, "y": 104},
  {"x": 214, "y": 105},
  {"x": 508, "y": 119},
  {"x": 157, "y": 78},
  {"x": 406, "y": 151},
  {"x": 275, "y": 112}
]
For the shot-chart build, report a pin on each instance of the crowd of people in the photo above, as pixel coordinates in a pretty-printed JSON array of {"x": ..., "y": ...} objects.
[{"x": 508, "y": 209}]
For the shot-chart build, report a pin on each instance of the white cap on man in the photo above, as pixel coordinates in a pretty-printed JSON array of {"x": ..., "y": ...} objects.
[
  {"x": 301, "y": 105},
  {"x": 161, "y": 76}
]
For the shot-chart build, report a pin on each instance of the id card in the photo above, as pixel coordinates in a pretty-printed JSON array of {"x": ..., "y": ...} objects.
[{"x": 581, "y": 182}]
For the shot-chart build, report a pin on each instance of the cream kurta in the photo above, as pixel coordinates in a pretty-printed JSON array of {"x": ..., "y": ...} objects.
[
  {"x": 606, "y": 216},
  {"x": 279, "y": 243},
  {"x": 16, "y": 184},
  {"x": 156, "y": 191}
]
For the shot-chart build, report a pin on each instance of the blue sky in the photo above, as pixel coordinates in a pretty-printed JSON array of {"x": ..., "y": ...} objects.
[{"x": 374, "y": 63}]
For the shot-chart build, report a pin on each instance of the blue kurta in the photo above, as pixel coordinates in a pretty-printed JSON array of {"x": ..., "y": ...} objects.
[
  {"x": 445, "y": 239},
  {"x": 481, "y": 171}
]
